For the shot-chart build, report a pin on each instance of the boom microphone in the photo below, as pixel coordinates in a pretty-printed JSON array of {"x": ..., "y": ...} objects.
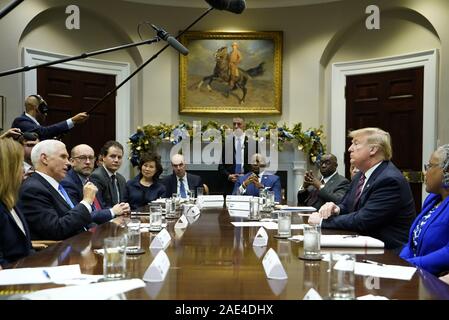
[
  {"x": 164, "y": 35},
  {"x": 234, "y": 6}
]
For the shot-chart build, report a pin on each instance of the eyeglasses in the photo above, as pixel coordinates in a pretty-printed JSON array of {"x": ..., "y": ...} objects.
[
  {"x": 430, "y": 165},
  {"x": 84, "y": 158}
]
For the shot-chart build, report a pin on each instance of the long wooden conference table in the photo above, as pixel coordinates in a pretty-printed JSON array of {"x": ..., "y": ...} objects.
[{"x": 213, "y": 260}]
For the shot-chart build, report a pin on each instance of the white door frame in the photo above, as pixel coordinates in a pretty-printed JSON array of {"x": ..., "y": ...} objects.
[
  {"x": 120, "y": 69},
  {"x": 427, "y": 59}
]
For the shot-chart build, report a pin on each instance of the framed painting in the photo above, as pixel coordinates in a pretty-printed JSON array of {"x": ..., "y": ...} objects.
[{"x": 231, "y": 72}]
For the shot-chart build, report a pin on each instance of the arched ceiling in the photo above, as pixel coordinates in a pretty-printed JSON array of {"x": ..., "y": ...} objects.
[{"x": 251, "y": 4}]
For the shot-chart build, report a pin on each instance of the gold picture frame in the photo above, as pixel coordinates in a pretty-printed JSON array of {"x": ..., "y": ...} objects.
[{"x": 206, "y": 84}]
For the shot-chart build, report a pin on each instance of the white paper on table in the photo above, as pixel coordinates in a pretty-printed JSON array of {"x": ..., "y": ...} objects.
[
  {"x": 161, "y": 241},
  {"x": 295, "y": 209},
  {"x": 159, "y": 201},
  {"x": 158, "y": 269},
  {"x": 261, "y": 238},
  {"x": 94, "y": 291},
  {"x": 182, "y": 223},
  {"x": 372, "y": 297},
  {"x": 274, "y": 226},
  {"x": 384, "y": 271},
  {"x": 210, "y": 201},
  {"x": 312, "y": 294},
  {"x": 241, "y": 205},
  {"x": 238, "y": 213},
  {"x": 247, "y": 224},
  {"x": 273, "y": 266},
  {"x": 38, "y": 275},
  {"x": 144, "y": 227},
  {"x": 345, "y": 241}
]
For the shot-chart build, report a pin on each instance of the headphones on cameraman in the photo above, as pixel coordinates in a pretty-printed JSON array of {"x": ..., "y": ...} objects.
[{"x": 42, "y": 107}]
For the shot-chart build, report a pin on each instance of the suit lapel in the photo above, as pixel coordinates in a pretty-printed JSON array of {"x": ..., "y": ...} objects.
[
  {"x": 371, "y": 181},
  {"x": 52, "y": 190}
]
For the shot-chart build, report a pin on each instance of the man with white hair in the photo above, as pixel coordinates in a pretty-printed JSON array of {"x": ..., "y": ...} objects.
[
  {"x": 379, "y": 202},
  {"x": 180, "y": 181},
  {"x": 50, "y": 212},
  {"x": 258, "y": 179}
]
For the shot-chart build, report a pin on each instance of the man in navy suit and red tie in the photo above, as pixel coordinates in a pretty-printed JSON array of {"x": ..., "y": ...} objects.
[
  {"x": 251, "y": 183},
  {"x": 379, "y": 202},
  {"x": 50, "y": 212},
  {"x": 82, "y": 159}
]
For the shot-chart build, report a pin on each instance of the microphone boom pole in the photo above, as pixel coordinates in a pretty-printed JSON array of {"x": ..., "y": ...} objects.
[{"x": 147, "y": 62}]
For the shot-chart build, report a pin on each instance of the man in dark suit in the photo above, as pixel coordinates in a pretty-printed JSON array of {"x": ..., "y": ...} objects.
[
  {"x": 180, "y": 181},
  {"x": 82, "y": 159},
  {"x": 379, "y": 202},
  {"x": 330, "y": 187},
  {"x": 251, "y": 183},
  {"x": 36, "y": 111},
  {"x": 232, "y": 167},
  {"x": 111, "y": 184},
  {"x": 48, "y": 209}
]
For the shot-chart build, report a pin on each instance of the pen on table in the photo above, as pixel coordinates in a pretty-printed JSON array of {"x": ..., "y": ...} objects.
[
  {"x": 373, "y": 262},
  {"x": 46, "y": 274},
  {"x": 351, "y": 236}
]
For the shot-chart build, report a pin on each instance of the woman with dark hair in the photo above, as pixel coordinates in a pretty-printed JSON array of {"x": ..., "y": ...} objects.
[
  {"x": 428, "y": 245},
  {"x": 145, "y": 187}
]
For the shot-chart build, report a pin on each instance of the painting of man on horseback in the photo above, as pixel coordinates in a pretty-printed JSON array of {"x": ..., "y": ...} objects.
[{"x": 231, "y": 74}]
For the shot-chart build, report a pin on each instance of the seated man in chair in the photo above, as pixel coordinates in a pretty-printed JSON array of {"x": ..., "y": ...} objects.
[{"x": 251, "y": 183}]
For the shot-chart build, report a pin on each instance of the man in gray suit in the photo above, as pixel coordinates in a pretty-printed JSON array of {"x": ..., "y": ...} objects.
[
  {"x": 111, "y": 184},
  {"x": 331, "y": 187}
]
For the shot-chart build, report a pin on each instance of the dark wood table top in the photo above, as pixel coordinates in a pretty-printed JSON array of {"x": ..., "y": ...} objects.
[{"x": 212, "y": 259}]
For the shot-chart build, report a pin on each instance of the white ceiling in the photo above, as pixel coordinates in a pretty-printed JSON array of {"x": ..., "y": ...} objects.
[{"x": 249, "y": 3}]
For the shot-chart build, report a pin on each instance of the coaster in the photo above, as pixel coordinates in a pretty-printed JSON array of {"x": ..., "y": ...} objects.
[
  {"x": 135, "y": 252},
  {"x": 302, "y": 257},
  {"x": 277, "y": 236}
]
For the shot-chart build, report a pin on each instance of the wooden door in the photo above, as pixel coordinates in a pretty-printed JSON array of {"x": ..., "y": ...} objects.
[
  {"x": 392, "y": 101},
  {"x": 69, "y": 92}
]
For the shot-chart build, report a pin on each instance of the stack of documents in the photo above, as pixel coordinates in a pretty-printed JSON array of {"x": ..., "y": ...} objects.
[{"x": 213, "y": 201}]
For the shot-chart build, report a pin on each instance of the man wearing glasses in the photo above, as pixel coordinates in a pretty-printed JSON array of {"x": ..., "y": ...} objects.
[
  {"x": 379, "y": 202},
  {"x": 82, "y": 160}
]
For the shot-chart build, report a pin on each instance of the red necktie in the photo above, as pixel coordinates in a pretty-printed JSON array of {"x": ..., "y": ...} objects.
[{"x": 97, "y": 204}]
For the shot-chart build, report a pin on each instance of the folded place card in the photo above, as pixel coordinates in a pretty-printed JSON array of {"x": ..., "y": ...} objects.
[
  {"x": 191, "y": 210},
  {"x": 259, "y": 251},
  {"x": 273, "y": 266},
  {"x": 238, "y": 213},
  {"x": 182, "y": 223},
  {"x": 210, "y": 201},
  {"x": 192, "y": 219},
  {"x": 312, "y": 294},
  {"x": 161, "y": 241},
  {"x": 238, "y": 202},
  {"x": 261, "y": 239},
  {"x": 158, "y": 269}
]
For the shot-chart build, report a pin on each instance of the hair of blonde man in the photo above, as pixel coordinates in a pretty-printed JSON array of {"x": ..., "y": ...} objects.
[
  {"x": 48, "y": 147},
  {"x": 11, "y": 171},
  {"x": 377, "y": 137}
]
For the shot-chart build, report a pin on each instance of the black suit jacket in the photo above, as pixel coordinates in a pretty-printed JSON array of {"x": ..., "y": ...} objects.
[
  {"x": 385, "y": 211},
  {"x": 74, "y": 187},
  {"x": 26, "y": 124},
  {"x": 333, "y": 191},
  {"x": 104, "y": 184},
  {"x": 47, "y": 213},
  {"x": 225, "y": 169},
  {"x": 14, "y": 244},
  {"x": 171, "y": 183}
]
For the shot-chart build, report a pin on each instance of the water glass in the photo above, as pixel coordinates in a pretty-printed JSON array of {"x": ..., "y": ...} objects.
[
  {"x": 270, "y": 199},
  {"x": 254, "y": 209},
  {"x": 342, "y": 276},
  {"x": 114, "y": 259},
  {"x": 170, "y": 208},
  {"x": 284, "y": 223},
  {"x": 312, "y": 241},
  {"x": 134, "y": 238},
  {"x": 155, "y": 218}
]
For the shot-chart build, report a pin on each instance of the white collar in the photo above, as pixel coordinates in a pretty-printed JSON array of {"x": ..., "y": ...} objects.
[
  {"x": 50, "y": 180},
  {"x": 109, "y": 172},
  {"x": 32, "y": 118},
  {"x": 329, "y": 177},
  {"x": 370, "y": 171}
]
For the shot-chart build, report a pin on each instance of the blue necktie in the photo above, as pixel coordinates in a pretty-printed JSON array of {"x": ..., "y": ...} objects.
[
  {"x": 66, "y": 196},
  {"x": 182, "y": 189},
  {"x": 238, "y": 157}
]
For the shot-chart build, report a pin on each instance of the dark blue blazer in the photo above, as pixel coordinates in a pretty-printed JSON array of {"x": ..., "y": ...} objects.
[
  {"x": 25, "y": 124},
  {"x": 74, "y": 187},
  {"x": 270, "y": 181},
  {"x": 385, "y": 211},
  {"x": 13, "y": 243},
  {"x": 48, "y": 215},
  {"x": 171, "y": 183},
  {"x": 139, "y": 195},
  {"x": 432, "y": 252}
]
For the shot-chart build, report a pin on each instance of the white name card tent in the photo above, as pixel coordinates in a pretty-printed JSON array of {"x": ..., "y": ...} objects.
[
  {"x": 158, "y": 269},
  {"x": 261, "y": 238},
  {"x": 191, "y": 210},
  {"x": 161, "y": 241},
  {"x": 182, "y": 223},
  {"x": 210, "y": 201},
  {"x": 238, "y": 202},
  {"x": 273, "y": 266}
]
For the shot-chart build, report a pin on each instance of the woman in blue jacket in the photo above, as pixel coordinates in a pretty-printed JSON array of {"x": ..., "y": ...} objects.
[
  {"x": 428, "y": 245},
  {"x": 15, "y": 238},
  {"x": 146, "y": 187}
]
